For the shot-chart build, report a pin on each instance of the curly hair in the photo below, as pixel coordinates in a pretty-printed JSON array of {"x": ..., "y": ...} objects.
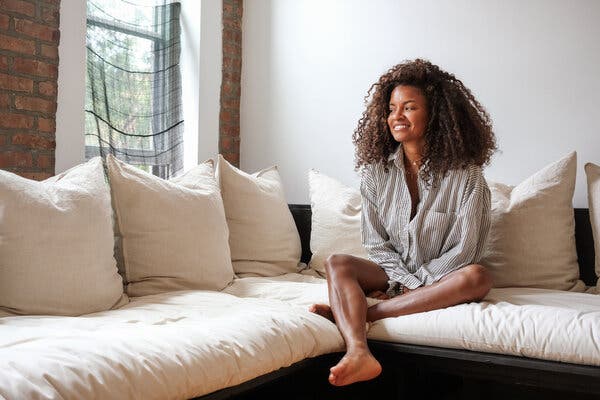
[{"x": 459, "y": 131}]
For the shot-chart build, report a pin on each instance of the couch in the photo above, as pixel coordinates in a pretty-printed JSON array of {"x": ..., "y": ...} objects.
[{"x": 196, "y": 333}]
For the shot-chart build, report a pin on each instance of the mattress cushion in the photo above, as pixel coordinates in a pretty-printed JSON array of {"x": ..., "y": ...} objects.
[
  {"x": 538, "y": 323},
  {"x": 174, "y": 345},
  {"x": 299, "y": 290}
]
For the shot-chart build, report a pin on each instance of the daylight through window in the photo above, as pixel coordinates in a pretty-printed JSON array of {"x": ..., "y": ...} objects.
[{"x": 133, "y": 86}]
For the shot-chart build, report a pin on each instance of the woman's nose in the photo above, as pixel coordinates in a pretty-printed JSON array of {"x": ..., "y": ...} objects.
[{"x": 397, "y": 114}]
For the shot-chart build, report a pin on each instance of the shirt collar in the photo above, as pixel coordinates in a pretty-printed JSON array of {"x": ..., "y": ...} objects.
[{"x": 397, "y": 157}]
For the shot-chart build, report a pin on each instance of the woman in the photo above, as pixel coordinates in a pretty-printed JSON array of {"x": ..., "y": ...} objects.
[{"x": 420, "y": 144}]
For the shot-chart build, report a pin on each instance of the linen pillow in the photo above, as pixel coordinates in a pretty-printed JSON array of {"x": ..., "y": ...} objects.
[
  {"x": 592, "y": 172},
  {"x": 263, "y": 237},
  {"x": 532, "y": 238},
  {"x": 335, "y": 221},
  {"x": 56, "y": 244},
  {"x": 173, "y": 233}
]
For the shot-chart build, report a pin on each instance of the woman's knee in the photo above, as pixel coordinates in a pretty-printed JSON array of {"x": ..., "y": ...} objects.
[
  {"x": 337, "y": 264},
  {"x": 476, "y": 280}
]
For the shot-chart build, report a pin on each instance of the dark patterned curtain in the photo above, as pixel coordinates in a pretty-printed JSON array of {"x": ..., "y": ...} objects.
[{"x": 133, "y": 93}]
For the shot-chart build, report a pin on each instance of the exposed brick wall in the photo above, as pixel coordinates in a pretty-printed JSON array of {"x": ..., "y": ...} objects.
[
  {"x": 29, "y": 39},
  {"x": 229, "y": 118}
]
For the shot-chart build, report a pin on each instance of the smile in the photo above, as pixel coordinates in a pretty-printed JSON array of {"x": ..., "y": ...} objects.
[{"x": 400, "y": 126}]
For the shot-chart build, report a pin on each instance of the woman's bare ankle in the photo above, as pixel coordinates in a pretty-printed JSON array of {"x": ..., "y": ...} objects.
[{"x": 358, "y": 348}]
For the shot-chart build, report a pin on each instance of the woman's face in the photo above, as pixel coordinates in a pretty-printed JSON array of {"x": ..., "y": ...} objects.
[{"x": 408, "y": 115}]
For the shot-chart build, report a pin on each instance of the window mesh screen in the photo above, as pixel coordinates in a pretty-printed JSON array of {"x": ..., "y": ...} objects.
[{"x": 133, "y": 93}]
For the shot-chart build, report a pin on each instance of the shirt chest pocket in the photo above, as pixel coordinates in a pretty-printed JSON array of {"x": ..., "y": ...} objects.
[{"x": 435, "y": 233}]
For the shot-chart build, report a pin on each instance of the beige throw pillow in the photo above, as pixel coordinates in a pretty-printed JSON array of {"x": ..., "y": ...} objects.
[
  {"x": 263, "y": 237},
  {"x": 174, "y": 234},
  {"x": 532, "y": 238},
  {"x": 56, "y": 244},
  {"x": 592, "y": 172},
  {"x": 335, "y": 220}
]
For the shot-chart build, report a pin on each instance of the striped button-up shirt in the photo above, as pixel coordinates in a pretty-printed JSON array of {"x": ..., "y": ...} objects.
[{"x": 448, "y": 231}]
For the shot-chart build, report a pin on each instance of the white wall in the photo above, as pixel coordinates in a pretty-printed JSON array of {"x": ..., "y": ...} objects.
[
  {"x": 307, "y": 66},
  {"x": 70, "y": 119},
  {"x": 190, "y": 65},
  {"x": 201, "y": 60},
  {"x": 209, "y": 94},
  {"x": 200, "y": 71}
]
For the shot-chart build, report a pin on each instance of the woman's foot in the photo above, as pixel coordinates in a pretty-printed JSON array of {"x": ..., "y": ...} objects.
[
  {"x": 323, "y": 310},
  {"x": 354, "y": 367}
]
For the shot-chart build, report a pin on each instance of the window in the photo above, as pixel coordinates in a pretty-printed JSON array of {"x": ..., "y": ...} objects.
[{"x": 133, "y": 86}]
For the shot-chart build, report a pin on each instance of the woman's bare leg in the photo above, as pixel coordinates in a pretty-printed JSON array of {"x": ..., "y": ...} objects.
[
  {"x": 348, "y": 278},
  {"x": 470, "y": 283}
]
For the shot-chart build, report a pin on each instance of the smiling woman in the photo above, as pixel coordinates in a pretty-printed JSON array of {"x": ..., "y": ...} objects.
[{"x": 425, "y": 216}]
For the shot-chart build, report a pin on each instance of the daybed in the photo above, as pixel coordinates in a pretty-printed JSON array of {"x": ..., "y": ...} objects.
[
  {"x": 425, "y": 371},
  {"x": 252, "y": 337}
]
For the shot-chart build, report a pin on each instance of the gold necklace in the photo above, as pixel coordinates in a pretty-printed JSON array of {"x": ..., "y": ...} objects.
[
  {"x": 415, "y": 162},
  {"x": 408, "y": 167}
]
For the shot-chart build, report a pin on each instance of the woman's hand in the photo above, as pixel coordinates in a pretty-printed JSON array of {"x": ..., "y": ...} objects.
[{"x": 379, "y": 295}]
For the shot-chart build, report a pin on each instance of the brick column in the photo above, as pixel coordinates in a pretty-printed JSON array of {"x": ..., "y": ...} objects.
[
  {"x": 29, "y": 39},
  {"x": 229, "y": 118}
]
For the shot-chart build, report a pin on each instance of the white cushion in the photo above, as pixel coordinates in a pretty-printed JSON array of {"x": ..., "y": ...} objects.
[
  {"x": 532, "y": 238},
  {"x": 263, "y": 237},
  {"x": 537, "y": 323},
  {"x": 174, "y": 234},
  {"x": 177, "y": 345},
  {"x": 56, "y": 244},
  {"x": 335, "y": 220},
  {"x": 298, "y": 289},
  {"x": 592, "y": 172}
]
